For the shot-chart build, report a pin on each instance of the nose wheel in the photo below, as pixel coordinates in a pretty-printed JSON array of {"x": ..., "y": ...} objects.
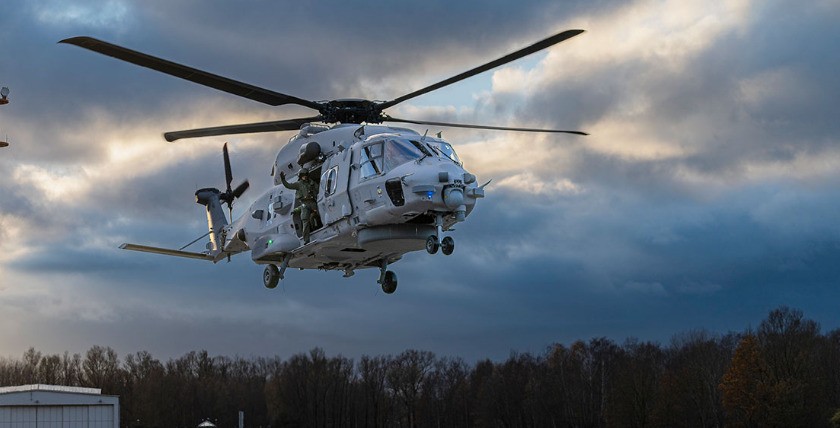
[
  {"x": 447, "y": 245},
  {"x": 432, "y": 244}
]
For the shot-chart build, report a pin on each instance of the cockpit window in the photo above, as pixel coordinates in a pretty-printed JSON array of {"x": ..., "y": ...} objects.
[
  {"x": 398, "y": 152},
  {"x": 386, "y": 155},
  {"x": 371, "y": 162},
  {"x": 445, "y": 150}
]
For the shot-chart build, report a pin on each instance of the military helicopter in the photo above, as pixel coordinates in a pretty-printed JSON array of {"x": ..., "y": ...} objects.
[
  {"x": 4, "y": 99},
  {"x": 383, "y": 191}
]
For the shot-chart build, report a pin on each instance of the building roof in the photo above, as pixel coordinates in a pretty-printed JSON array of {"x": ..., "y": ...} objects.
[{"x": 54, "y": 388}]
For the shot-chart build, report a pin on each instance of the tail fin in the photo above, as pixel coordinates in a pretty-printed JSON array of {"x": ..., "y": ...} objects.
[{"x": 216, "y": 219}]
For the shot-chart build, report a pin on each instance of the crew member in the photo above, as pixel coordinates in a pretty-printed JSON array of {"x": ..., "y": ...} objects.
[{"x": 306, "y": 190}]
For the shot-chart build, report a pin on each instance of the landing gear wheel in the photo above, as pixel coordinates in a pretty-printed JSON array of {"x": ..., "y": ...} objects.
[
  {"x": 389, "y": 283},
  {"x": 447, "y": 245},
  {"x": 271, "y": 276},
  {"x": 432, "y": 244}
]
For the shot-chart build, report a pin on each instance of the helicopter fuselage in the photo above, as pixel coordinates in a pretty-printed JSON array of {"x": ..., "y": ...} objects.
[{"x": 383, "y": 191}]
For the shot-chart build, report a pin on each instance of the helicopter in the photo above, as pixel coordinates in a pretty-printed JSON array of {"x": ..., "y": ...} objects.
[
  {"x": 4, "y": 99},
  {"x": 382, "y": 191}
]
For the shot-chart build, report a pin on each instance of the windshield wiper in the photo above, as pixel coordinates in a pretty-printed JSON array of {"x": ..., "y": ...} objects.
[{"x": 422, "y": 149}]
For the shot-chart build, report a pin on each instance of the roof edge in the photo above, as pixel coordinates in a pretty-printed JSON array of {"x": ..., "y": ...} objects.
[{"x": 54, "y": 388}]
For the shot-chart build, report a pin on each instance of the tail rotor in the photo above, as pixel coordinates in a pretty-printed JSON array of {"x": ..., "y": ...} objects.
[{"x": 229, "y": 195}]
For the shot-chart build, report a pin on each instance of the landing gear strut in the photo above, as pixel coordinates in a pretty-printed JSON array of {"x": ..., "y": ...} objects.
[
  {"x": 272, "y": 274},
  {"x": 434, "y": 242},
  {"x": 387, "y": 279}
]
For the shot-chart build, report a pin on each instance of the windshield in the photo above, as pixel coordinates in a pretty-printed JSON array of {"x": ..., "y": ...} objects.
[
  {"x": 383, "y": 156},
  {"x": 398, "y": 152},
  {"x": 445, "y": 150}
]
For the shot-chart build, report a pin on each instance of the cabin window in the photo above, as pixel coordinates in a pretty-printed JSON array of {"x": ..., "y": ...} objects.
[
  {"x": 330, "y": 181},
  {"x": 371, "y": 160}
]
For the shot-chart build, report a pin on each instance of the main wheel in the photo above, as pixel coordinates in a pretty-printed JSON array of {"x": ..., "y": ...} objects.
[
  {"x": 447, "y": 245},
  {"x": 271, "y": 276},
  {"x": 389, "y": 283},
  {"x": 432, "y": 244}
]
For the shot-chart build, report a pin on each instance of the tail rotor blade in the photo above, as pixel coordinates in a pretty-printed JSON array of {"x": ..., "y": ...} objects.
[
  {"x": 228, "y": 172},
  {"x": 240, "y": 189},
  {"x": 229, "y": 194}
]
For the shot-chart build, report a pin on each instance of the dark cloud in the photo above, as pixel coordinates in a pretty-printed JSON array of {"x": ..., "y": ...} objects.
[{"x": 738, "y": 218}]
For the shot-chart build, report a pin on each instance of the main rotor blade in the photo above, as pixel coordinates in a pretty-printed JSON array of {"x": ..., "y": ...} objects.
[
  {"x": 557, "y": 38},
  {"x": 495, "y": 128},
  {"x": 188, "y": 73},
  {"x": 273, "y": 126}
]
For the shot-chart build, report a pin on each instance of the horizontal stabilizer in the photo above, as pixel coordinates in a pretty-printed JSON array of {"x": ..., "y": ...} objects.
[{"x": 166, "y": 251}]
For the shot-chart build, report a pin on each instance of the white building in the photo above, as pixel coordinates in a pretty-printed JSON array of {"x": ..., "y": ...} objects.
[{"x": 49, "y": 406}]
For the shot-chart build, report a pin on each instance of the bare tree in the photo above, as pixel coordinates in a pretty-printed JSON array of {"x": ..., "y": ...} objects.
[
  {"x": 690, "y": 395},
  {"x": 70, "y": 372},
  {"x": 406, "y": 376},
  {"x": 373, "y": 397},
  {"x": 31, "y": 359},
  {"x": 101, "y": 369},
  {"x": 49, "y": 369},
  {"x": 636, "y": 382}
]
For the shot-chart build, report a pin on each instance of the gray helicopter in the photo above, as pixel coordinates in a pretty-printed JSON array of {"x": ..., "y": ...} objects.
[
  {"x": 4, "y": 99},
  {"x": 382, "y": 191}
]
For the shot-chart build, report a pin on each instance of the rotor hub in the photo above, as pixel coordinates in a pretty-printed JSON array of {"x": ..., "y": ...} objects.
[{"x": 351, "y": 111}]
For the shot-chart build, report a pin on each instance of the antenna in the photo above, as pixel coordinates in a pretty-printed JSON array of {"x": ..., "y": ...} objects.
[{"x": 359, "y": 132}]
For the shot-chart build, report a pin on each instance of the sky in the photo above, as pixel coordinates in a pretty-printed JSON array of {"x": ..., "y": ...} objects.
[{"x": 707, "y": 194}]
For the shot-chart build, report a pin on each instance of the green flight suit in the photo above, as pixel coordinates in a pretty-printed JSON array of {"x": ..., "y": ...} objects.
[{"x": 306, "y": 190}]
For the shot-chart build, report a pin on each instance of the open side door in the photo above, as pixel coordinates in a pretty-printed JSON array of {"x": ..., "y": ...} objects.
[{"x": 334, "y": 203}]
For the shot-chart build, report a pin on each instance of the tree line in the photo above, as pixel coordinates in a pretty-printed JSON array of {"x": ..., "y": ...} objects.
[{"x": 784, "y": 373}]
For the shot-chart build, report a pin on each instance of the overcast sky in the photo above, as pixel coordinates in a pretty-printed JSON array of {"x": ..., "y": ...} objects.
[{"x": 707, "y": 194}]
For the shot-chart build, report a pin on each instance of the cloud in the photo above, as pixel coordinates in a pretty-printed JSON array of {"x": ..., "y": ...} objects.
[
  {"x": 112, "y": 14},
  {"x": 705, "y": 195}
]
